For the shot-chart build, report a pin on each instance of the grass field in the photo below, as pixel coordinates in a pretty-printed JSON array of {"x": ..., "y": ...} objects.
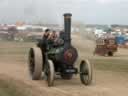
[
  {"x": 111, "y": 65},
  {"x": 12, "y": 52},
  {"x": 16, "y": 53}
]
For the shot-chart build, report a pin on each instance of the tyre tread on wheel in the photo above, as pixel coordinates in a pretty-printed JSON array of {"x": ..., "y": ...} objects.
[
  {"x": 85, "y": 72},
  {"x": 35, "y": 63}
]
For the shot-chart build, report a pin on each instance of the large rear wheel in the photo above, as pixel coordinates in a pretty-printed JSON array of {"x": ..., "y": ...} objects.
[
  {"x": 86, "y": 72},
  {"x": 35, "y": 62}
]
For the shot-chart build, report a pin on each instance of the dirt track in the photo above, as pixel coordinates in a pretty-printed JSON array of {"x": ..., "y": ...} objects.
[{"x": 105, "y": 83}]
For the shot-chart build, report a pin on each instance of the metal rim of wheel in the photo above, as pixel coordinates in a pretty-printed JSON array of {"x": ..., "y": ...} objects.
[
  {"x": 35, "y": 63},
  {"x": 50, "y": 73},
  {"x": 85, "y": 72}
]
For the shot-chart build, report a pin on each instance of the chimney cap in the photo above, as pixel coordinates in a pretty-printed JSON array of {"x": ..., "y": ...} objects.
[{"x": 67, "y": 14}]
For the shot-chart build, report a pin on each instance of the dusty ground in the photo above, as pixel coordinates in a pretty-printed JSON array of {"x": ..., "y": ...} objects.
[{"x": 13, "y": 64}]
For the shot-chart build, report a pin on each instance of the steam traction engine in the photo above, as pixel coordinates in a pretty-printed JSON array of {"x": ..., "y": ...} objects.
[{"x": 58, "y": 59}]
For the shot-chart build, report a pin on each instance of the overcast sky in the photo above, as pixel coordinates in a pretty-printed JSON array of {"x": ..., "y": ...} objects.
[{"x": 50, "y": 11}]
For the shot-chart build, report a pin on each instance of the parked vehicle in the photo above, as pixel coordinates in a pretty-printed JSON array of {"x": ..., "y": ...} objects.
[{"x": 106, "y": 46}]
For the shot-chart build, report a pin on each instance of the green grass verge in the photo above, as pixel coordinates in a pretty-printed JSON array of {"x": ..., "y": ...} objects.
[
  {"x": 19, "y": 50},
  {"x": 14, "y": 48},
  {"x": 5, "y": 51},
  {"x": 111, "y": 65}
]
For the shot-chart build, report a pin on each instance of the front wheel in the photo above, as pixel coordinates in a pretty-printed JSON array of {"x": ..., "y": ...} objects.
[
  {"x": 85, "y": 72},
  {"x": 50, "y": 73}
]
